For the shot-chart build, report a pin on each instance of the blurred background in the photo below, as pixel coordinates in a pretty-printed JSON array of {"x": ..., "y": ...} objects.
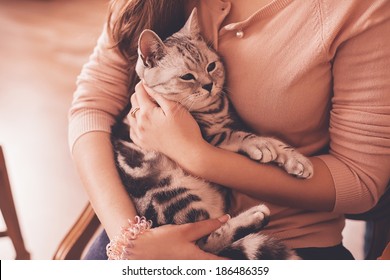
[{"x": 43, "y": 44}]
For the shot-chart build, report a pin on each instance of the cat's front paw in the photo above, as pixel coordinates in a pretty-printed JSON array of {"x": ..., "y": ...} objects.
[
  {"x": 260, "y": 149},
  {"x": 296, "y": 164},
  {"x": 257, "y": 215}
]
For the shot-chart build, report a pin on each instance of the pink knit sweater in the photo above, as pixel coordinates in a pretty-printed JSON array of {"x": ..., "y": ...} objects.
[{"x": 313, "y": 73}]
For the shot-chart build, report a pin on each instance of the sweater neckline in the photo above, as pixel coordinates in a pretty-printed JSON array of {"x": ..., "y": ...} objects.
[
  {"x": 215, "y": 11},
  {"x": 264, "y": 12}
]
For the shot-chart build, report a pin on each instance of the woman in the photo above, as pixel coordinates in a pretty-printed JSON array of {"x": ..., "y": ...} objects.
[{"x": 312, "y": 73}]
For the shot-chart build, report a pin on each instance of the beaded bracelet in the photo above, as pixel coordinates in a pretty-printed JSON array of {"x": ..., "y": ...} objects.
[{"x": 120, "y": 247}]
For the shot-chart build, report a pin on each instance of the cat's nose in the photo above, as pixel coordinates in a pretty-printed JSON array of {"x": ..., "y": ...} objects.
[{"x": 208, "y": 87}]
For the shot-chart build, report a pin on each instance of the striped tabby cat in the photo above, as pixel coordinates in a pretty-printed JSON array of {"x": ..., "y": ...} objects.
[{"x": 183, "y": 68}]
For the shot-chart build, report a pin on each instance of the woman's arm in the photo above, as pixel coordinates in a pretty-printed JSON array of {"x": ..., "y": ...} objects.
[
  {"x": 101, "y": 94},
  {"x": 354, "y": 174},
  {"x": 95, "y": 164},
  {"x": 113, "y": 206},
  {"x": 180, "y": 139},
  {"x": 262, "y": 181}
]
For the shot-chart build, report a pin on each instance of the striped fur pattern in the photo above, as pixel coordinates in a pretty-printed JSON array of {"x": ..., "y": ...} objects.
[{"x": 185, "y": 69}]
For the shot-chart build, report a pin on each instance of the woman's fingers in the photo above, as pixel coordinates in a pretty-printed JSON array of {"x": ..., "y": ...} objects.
[
  {"x": 140, "y": 101},
  {"x": 166, "y": 105},
  {"x": 171, "y": 132},
  {"x": 197, "y": 230},
  {"x": 134, "y": 100},
  {"x": 145, "y": 102}
]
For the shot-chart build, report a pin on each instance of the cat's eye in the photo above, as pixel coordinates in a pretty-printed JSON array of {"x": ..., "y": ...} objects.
[
  {"x": 187, "y": 77},
  {"x": 211, "y": 66}
]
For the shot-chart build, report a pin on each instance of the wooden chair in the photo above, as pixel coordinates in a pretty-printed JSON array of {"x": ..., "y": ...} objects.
[
  {"x": 8, "y": 211},
  {"x": 75, "y": 242}
]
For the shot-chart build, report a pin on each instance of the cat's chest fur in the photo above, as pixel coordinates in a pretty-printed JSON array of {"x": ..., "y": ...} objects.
[
  {"x": 161, "y": 190},
  {"x": 215, "y": 120}
]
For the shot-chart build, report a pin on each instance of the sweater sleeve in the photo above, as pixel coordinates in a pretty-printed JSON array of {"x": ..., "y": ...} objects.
[
  {"x": 359, "y": 158},
  {"x": 102, "y": 90}
]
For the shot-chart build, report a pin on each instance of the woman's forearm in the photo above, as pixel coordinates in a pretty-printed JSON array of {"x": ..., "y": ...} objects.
[
  {"x": 94, "y": 161},
  {"x": 263, "y": 181},
  {"x": 176, "y": 134}
]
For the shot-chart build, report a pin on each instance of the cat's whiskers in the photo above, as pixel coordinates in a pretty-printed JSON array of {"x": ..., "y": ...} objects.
[
  {"x": 188, "y": 102},
  {"x": 209, "y": 44},
  {"x": 185, "y": 99},
  {"x": 224, "y": 92}
]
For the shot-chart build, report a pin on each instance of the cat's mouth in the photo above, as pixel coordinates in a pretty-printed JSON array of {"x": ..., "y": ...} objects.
[
  {"x": 198, "y": 100},
  {"x": 201, "y": 96}
]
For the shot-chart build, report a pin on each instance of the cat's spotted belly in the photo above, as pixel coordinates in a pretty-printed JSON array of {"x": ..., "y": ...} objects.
[{"x": 164, "y": 193}]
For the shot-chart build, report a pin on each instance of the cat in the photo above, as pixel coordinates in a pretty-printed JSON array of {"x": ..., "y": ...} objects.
[{"x": 184, "y": 68}]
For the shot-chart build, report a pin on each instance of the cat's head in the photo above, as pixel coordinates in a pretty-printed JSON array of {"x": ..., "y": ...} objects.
[{"x": 182, "y": 68}]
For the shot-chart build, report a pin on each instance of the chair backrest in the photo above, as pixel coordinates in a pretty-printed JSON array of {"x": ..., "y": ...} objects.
[{"x": 79, "y": 236}]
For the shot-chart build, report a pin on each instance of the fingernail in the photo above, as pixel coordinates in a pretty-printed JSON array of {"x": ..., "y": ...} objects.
[{"x": 224, "y": 218}]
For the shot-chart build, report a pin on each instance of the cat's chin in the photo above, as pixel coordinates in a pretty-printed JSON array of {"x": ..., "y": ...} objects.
[{"x": 201, "y": 102}]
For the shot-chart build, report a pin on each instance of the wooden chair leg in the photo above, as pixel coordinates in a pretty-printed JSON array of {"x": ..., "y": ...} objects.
[{"x": 8, "y": 211}]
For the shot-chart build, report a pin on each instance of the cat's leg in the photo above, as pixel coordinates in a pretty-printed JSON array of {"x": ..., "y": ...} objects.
[
  {"x": 267, "y": 149},
  {"x": 292, "y": 161},
  {"x": 249, "y": 221},
  {"x": 258, "y": 246}
]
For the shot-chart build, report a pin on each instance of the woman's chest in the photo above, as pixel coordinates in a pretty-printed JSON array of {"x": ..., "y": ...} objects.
[{"x": 278, "y": 77}]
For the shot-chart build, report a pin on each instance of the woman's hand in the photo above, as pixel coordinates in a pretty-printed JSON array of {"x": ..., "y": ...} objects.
[
  {"x": 166, "y": 127},
  {"x": 175, "y": 241}
]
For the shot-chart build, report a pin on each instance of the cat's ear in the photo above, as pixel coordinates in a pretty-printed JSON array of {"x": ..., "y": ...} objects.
[
  {"x": 150, "y": 48},
  {"x": 192, "y": 25}
]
